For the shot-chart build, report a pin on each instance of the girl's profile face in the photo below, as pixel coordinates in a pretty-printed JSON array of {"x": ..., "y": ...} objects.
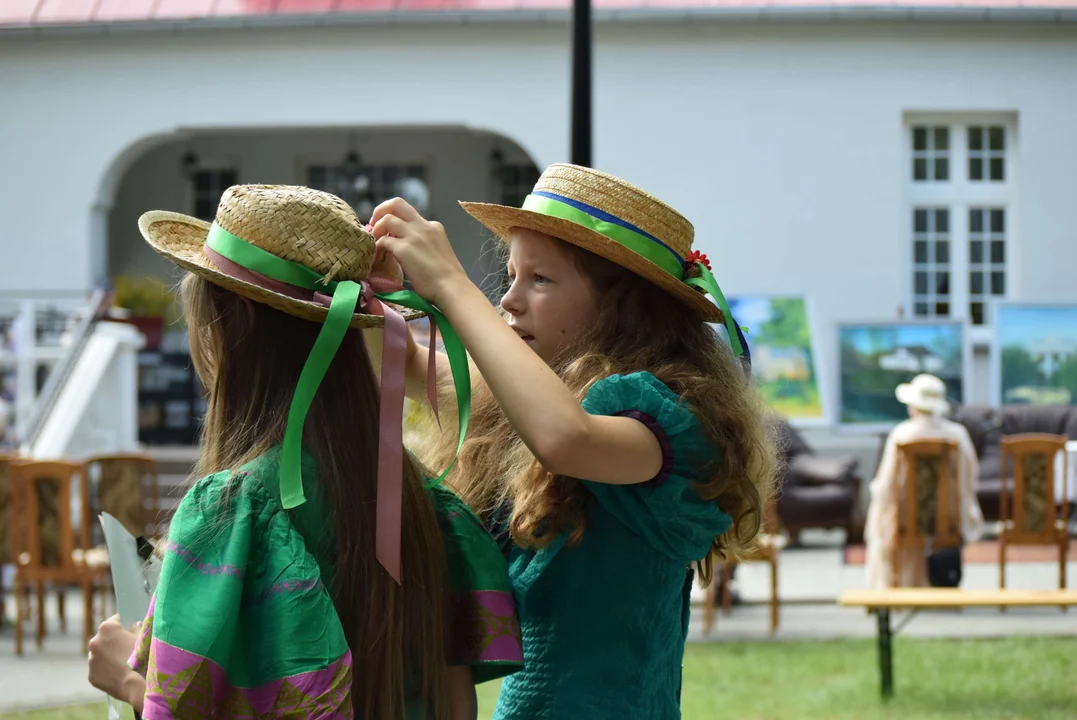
[{"x": 549, "y": 301}]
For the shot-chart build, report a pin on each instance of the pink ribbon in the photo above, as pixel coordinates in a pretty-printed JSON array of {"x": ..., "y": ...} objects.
[{"x": 391, "y": 397}]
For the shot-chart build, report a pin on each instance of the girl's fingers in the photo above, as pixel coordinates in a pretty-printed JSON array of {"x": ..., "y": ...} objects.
[
  {"x": 389, "y": 225},
  {"x": 395, "y": 206}
]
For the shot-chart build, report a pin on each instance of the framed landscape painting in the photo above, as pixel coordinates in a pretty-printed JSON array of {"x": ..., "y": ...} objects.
[
  {"x": 1035, "y": 354},
  {"x": 783, "y": 355},
  {"x": 877, "y": 357}
]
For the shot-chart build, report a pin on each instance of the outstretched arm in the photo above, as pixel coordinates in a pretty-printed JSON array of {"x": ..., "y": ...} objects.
[{"x": 550, "y": 421}]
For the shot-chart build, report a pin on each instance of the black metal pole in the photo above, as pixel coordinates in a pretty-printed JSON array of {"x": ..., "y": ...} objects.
[{"x": 581, "y": 82}]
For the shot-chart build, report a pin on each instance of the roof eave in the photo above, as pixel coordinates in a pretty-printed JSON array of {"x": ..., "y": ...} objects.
[{"x": 790, "y": 14}]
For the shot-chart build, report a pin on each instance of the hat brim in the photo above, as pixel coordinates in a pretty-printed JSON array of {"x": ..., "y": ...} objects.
[
  {"x": 501, "y": 219},
  {"x": 180, "y": 238},
  {"x": 909, "y": 395}
]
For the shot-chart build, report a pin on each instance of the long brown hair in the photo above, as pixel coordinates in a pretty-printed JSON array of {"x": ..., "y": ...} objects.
[
  {"x": 250, "y": 356},
  {"x": 639, "y": 327}
]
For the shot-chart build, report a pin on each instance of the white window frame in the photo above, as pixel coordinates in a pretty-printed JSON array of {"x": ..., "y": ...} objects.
[{"x": 959, "y": 194}]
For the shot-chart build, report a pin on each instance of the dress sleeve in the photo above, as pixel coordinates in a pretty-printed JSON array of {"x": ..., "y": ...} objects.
[
  {"x": 666, "y": 510},
  {"x": 483, "y": 625},
  {"x": 240, "y": 623}
]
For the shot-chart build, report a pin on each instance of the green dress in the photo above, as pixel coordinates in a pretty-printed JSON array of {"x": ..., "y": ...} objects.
[
  {"x": 242, "y": 623},
  {"x": 604, "y": 623}
]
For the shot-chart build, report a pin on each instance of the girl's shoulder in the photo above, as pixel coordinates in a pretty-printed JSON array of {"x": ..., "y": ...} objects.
[{"x": 642, "y": 396}]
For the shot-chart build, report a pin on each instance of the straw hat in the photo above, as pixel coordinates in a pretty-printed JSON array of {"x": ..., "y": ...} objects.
[
  {"x": 315, "y": 229},
  {"x": 611, "y": 218},
  {"x": 926, "y": 393}
]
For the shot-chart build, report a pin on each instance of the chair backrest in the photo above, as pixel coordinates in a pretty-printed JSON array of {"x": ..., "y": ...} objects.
[
  {"x": 8, "y": 532},
  {"x": 928, "y": 501},
  {"x": 42, "y": 493},
  {"x": 126, "y": 487},
  {"x": 1031, "y": 504}
]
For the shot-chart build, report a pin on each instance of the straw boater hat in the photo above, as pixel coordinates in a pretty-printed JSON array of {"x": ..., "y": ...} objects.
[
  {"x": 613, "y": 219},
  {"x": 304, "y": 252},
  {"x": 926, "y": 393},
  {"x": 314, "y": 229}
]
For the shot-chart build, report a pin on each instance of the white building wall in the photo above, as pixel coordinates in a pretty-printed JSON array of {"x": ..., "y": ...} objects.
[{"x": 782, "y": 143}]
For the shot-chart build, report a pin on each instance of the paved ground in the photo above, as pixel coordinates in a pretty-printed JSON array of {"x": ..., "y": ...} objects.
[{"x": 810, "y": 578}]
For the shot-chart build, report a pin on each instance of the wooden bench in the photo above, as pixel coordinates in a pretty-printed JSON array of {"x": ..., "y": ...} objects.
[{"x": 881, "y": 602}]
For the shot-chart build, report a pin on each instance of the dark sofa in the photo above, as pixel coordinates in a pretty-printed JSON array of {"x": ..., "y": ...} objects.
[{"x": 816, "y": 491}]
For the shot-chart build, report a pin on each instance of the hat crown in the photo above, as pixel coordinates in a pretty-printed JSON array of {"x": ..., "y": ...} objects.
[
  {"x": 621, "y": 200},
  {"x": 929, "y": 386},
  {"x": 309, "y": 227}
]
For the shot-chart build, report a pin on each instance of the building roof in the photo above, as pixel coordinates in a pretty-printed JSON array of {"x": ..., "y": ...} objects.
[{"x": 42, "y": 14}]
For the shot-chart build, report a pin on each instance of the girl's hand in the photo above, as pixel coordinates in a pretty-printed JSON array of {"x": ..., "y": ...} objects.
[
  {"x": 110, "y": 649},
  {"x": 420, "y": 246}
]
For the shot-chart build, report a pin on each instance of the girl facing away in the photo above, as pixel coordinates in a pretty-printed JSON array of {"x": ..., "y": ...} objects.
[
  {"x": 614, "y": 436},
  {"x": 283, "y": 590}
]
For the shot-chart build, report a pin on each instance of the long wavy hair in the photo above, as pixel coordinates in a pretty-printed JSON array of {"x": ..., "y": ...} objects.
[
  {"x": 638, "y": 327},
  {"x": 249, "y": 357}
]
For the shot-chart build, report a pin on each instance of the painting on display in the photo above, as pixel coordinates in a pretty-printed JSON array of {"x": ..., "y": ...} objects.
[
  {"x": 783, "y": 355},
  {"x": 877, "y": 357},
  {"x": 1036, "y": 354}
]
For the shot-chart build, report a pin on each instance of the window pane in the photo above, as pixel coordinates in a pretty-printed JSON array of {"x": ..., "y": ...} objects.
[
  {"x": 998, "y": 252},
  {"x": 997, "y": 138},
  {"x": 998, "y": 283},
  {"x": 228, "y": 179},
  {"x": 977, "y": 311},
  {"x": 920, "y": 309},
  {"x": 919, "y": 169},
  {"x": 976, "y": 220},
  {"x": 998, "y": 221},
  {"x": 942, "y": 169},
  {"x": 942, "y": 309},
  {"x": 920, "y": 285},
  {"x": 919, "y": 253},
  {"x": 942, "y": 138},
  {"x": 919, "y": 138},
  {"x": 919, "y": 221},
  {"x": 942, "y": 252},
  {"x": 998, "y": 169},
  {"x": 976, "y": 252},
  {"x": 203, "y": 209},
  {"x": 942, "y": 221},
  {"x": 976, "y": 138},
  {"x": 976, "y": 168},
  {"x": 942, "y": 283},
  {"x": 976, "y": 283},
  {"x": 203, "y": 180}
]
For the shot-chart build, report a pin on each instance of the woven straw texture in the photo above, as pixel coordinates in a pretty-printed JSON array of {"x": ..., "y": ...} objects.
[
  {"x": 618, "y": 198},
  {"x": 306, "y": 226}
]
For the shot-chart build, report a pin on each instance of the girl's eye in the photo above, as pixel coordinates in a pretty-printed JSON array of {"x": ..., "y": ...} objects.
[{"x": 540, "y": 279}]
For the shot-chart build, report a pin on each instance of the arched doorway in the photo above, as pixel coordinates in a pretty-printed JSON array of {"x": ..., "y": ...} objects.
[{"x": 434, "y": 167}]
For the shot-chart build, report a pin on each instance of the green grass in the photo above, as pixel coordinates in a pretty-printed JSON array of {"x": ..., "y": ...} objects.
[{"x": 1033, "y": 678}]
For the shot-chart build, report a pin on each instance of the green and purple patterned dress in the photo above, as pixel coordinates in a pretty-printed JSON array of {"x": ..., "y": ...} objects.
[{"x": 242, "y": 624}]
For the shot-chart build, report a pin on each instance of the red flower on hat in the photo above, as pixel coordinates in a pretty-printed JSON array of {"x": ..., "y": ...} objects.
[{"x": 696, "y": 257}]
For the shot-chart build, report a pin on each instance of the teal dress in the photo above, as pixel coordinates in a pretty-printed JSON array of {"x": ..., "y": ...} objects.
[{"x": 604, "y": 622}]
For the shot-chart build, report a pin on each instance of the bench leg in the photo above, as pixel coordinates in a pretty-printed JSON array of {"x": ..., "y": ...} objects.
[{"x": 886, "y": 667}]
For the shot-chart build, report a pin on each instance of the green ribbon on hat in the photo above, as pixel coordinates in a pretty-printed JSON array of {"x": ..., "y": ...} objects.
[
  {"x": 643, "y": 244},
  {"x": 345, "y": 298}
]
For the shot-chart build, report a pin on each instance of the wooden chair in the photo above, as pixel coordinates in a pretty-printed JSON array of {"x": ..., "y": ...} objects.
[
  {"x": 1031, "y": 514},
  {"x": 49, "y": 549},
  {"x": 771, "y": 543},
  {"x": 8, "y": 532},
  {"x": 126, "y": 487},
  {"x": 928, "y": 502}
]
